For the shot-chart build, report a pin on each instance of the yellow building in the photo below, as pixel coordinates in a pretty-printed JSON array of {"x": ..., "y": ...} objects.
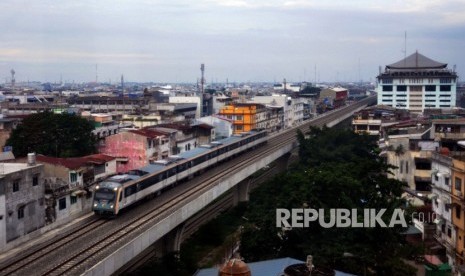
[
  {"x": 458, "y": 208},
  {"x": 243, "y": 115}
]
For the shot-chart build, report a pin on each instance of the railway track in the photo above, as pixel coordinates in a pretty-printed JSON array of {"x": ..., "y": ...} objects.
[{"x": 89, "y": 244}]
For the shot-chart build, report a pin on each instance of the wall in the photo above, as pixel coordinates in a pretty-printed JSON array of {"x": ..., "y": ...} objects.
[
  {"x": 127, "y": 145},
  {"x": 28, "y": 196}
]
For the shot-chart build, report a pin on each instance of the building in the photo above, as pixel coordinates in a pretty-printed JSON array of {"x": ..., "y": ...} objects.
[
  {"x": 223, "y": 126},
  {"x": 135, "y": 148},
  {"x": 68, "y": 183},
  {"x": 334, "y": 96},
  {"x": 292, "y": 108},
  {"x": 22, "y": 207},
  {"x": 374, "y": 119},
  {"x": 417, "y": 83},
  {"x": 244, "y": 115},
  {"x": 409, "y": 149},
  {"x": 441, "y": 171}
]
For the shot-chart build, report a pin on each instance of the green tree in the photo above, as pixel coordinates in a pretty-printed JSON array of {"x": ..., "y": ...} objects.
[
  {"x": 59, "y": 135},
  {"x": 337, "y": 169}
]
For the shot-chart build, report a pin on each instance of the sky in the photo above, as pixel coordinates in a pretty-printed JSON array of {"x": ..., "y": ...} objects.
[{"x": 237, "y": 40}]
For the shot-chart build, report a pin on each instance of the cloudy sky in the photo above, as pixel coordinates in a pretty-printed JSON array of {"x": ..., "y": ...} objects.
[{"x": 238, "y": 40}]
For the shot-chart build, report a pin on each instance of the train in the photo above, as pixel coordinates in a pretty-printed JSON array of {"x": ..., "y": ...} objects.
[{"x": 119, "y": 192}]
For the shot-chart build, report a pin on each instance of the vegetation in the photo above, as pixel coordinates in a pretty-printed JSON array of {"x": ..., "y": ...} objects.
[
  {"x": 337, "y": 169},
  {"x": 206, "y": 248},
  {"x": 59, "y": 135}
]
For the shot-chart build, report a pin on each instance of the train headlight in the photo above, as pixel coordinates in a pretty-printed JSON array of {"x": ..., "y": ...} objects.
[
  {"x": 97, "y": 187},
  {"x": 111, "y": 206},
  {"x": 115, "y": 189},
  {"x": 95, "y": 204}
]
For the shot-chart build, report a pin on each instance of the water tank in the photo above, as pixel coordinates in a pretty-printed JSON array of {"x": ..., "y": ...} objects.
[{"x": 31, "y": 159}]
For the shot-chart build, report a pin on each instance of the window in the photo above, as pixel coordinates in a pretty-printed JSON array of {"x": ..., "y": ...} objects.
[
  {"x": 239, "y": 127},
  {"x": 387, "y": 87},
  {"x": 457, "y": 212},
  {"x": 406, "y": 166},
  {"x": 73, "y": 177},
  {"x": 443, "y": 228},
  {"x": 446, "y": 181},
  {"x": 402, "y": 88},
  {"x": 458, "y": 184},
  {"x": 436, "y": 177},
  {"x": 449, "y": 232},
  {"x": 430, "y": 88},
  {"x": 21, "y": 212},
  {"x": 15, "y": 185},
  {"x": 416, "y": 88},
  {"x": 35, "y": 180},
  {"x": 239, "y": 117},
  {"x": 444, "y": 88},
  {"x": 62, "y": 203},
  {"x": 99, "y": 169},
  {"x": 401, "y": 166},
  {"x": 72, "y": 199}
]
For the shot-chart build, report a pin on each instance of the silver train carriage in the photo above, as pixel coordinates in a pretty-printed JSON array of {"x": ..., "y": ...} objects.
[{"x": 121, "y": 191}]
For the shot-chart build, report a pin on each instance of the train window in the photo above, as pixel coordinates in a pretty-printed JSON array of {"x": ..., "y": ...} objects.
[
  {"x": 182, "y": 167},
  {"x": 171, "y": 172},
  {"x": 120, "y": 196}
]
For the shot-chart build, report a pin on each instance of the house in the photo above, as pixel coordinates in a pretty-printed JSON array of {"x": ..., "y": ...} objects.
[
  {"x": 135, "y": 148},
  {"x": 22, "y": 200},
  {"x": 68, "y": 183}
]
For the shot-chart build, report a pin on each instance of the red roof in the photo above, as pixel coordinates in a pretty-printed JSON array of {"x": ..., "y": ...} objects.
[
  {"x": 76, "y": 162},
  {"x": 205, "y": 126}
]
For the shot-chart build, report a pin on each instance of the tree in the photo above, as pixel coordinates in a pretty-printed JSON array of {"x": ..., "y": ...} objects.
[
  {"x": 59, "y": 135},
  {"x": 337, "y": 169}
]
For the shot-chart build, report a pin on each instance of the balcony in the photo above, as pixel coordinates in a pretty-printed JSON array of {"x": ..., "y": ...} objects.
[{"x": 449, "y": 135}]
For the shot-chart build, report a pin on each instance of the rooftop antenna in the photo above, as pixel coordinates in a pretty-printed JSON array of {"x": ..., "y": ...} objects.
[
  {"x": 405, "y": 47},
  {"x": 96, "y": 73},
  {"x": 202, "y": 83}
]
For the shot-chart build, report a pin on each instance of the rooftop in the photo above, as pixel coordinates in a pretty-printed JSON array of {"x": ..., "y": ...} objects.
[
  {"x": 7, "y": 168},
  {"x": 416, "y": 61},
  {"x": 75, "y": 162}
]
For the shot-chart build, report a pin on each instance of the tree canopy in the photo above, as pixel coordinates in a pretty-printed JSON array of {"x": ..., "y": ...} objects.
[
  {"x": 58, "y": 135},
  {"x": 337, "y": 169}
]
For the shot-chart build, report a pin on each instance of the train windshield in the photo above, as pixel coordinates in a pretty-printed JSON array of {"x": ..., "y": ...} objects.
[{"x": 104, "y": 195}]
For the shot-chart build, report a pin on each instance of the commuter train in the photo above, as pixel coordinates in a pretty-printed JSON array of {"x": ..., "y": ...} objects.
[{"x": 121, "y": 191}]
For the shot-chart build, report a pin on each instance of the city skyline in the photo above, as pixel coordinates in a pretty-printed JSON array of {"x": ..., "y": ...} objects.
[{"x": 236, "y": 40}]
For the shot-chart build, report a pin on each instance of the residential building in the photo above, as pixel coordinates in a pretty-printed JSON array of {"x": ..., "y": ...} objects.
[
  {"x": 135, "y": 148},
  {"x": 244, "y": 115},
  {"x": 68, "y": 183},
  {"x": 458, "y": 207},
  {"x": 293, "y": 108},
  {"x": 21, "y": 200},
  {"x": 373, "y": 119},
  {"x": 417, "y": 83},
  {"x": 409, "y": 149},
  {"x": 223, "y": 126},
  {"x": 441, "y": 171}
]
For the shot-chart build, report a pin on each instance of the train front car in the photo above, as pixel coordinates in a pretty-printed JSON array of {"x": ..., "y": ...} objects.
[{"x": 106, "y": 198}]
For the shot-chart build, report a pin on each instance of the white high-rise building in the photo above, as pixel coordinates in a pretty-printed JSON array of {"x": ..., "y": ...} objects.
[{"x": 417, "y": 83}]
